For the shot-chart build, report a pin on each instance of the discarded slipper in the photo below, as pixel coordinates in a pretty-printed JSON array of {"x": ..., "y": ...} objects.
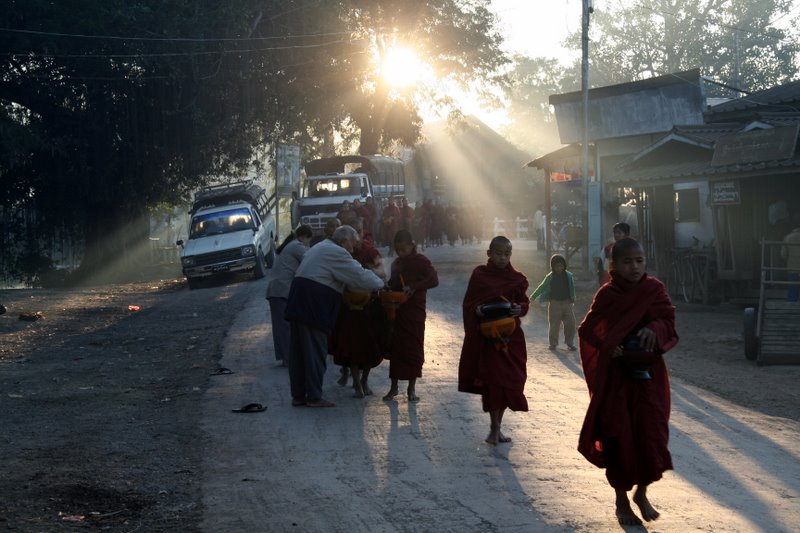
[
  {"x": 221, "y": 371},
  {"x": 250, "y": 408}
]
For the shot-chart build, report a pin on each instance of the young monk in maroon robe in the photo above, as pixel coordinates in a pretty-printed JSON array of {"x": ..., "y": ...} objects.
[
  {"x": 355, "y": 339},
  {"x": 629, "y": 326},
  {"x": 495, "y": 369},
  {"x": 413, "y": 274}
]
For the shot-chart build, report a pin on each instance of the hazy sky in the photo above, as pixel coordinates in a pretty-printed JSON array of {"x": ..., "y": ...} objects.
[{"x": 538, "y": 27}]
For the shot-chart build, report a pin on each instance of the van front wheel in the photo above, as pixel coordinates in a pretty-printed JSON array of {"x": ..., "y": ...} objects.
[
  {"x": 270, "y": 257},
  {"x": 260, "y": 270}
]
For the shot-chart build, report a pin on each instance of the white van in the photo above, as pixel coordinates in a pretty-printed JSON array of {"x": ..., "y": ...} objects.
[{"x": 232, "y": 230}]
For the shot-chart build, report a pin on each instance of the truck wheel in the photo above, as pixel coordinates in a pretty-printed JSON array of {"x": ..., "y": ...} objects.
[
  {"x": 749, "y": 332},
  {"x": 194, "y": 283},
  {"x": 260, "y": 270},
  {"x": 270, "y": 257}
]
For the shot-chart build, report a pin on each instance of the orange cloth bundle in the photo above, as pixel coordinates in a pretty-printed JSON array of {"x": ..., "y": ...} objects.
[{"x": 499, "y": 329}]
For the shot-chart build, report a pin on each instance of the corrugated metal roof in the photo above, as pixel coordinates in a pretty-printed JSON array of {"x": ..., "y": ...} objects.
[
  {"x": 697, "y": 171},
  {"x": 788, "y": 93},
  {"x": 687, "y": 76}
]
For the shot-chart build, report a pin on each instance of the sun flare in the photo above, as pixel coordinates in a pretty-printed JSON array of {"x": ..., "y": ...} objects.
[{"x": 401, "y": 67}]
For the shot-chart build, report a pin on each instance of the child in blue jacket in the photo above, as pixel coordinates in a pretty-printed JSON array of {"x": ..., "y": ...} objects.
[{"x": 558, "y": 289}]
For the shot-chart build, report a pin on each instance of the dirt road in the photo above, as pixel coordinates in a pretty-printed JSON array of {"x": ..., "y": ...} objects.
[
  {"x": 369, "y": 465},
  {"x": 111, "y": 421}
]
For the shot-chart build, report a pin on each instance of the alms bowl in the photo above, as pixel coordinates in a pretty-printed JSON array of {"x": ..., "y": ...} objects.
[
  {"x": 393, "y": 298},
  {"x": 495, "y": 310},
  {"x": 356, "y": 300}
]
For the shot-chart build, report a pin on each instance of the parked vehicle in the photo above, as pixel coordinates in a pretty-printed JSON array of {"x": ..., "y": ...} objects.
[
  {"x": 232, "y": 230},
  {"x": 333, "y": 180}
]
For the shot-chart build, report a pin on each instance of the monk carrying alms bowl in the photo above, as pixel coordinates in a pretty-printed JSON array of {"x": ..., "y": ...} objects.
[{"x": 391, "y": 300}]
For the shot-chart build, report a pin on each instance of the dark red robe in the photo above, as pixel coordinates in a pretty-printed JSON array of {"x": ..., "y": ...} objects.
[
  {"x": 356, "y": 338},
  {"x": 495, "y": 371},
  {"x": 626, "y": 428},
  {"x": 407, "y": 342},
  {"x": 390, "y": 222}
]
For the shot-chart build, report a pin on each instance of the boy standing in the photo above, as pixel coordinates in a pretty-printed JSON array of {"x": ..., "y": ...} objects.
[
  {"x": 626, "y": 426},
  {"x": 558, "y": 290},
  {"x": 487, "y": 367}
]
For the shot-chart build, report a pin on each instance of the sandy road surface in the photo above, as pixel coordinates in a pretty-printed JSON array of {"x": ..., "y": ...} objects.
[{"x": 369, "y": 465}]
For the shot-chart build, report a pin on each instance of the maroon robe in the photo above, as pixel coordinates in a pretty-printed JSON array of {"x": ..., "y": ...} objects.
[
  {"x": 356, "y": 338},
  {"x": 496, "y": 372},
  {"x": 407, "y": 342},
  {"x": 390, "y": 222},
  {"x": 626, "y": 428}
]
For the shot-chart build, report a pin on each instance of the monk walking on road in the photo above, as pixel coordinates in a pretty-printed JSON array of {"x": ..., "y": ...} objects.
[
  {"x": 494, "y": 367},
  {"x": 630, "y": 325},
  {"x": 413, "y": 274}
]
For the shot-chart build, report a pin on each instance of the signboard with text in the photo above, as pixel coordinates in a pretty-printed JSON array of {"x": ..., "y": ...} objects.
[
  {"x": 725, "y": 193},
  {"x": 287, "y": 169},
  {"x": 756, "y": 145}
]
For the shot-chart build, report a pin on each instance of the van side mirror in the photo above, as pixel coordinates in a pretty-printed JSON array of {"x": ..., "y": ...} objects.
[{"x": 179, "y": 242}]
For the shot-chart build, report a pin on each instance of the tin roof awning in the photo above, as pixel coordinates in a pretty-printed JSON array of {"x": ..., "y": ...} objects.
[{"x": 558, "y": 158}]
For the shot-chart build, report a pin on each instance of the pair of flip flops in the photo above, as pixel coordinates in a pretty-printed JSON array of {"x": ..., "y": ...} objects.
[{"x": 250, "y": 408}]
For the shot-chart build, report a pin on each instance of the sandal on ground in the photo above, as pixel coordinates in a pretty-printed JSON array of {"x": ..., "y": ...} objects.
[
  {"x": 250, "y": 408},
  {"x": 221, "y": 371}
]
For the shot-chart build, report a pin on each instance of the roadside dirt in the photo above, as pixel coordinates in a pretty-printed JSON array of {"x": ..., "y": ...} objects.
[
  {"x": 99, "y": 417},
  {"x": 98, "y": 403}
]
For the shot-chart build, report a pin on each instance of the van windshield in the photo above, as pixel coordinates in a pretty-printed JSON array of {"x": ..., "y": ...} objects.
[
  {"x": 221, "y": 222},
  {"x": 332, "y": 187}
]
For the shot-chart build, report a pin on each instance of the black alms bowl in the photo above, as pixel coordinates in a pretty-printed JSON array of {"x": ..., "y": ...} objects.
[{"x": 495, "y": 310}]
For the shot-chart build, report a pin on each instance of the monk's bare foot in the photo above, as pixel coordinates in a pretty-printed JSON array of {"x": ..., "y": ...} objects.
[
  {"x": 343, "y": 378},
  {"x": 503, "y": 438},
  {"x": 358, "y": 391},
  {"x": 366, "y": 389},
  {"x": 493, "y": 438},
  {"x": 390, "y": 395},
  {"x": 648, "y": 511},
  {"x": 625, "y": 514},
  {"x": 412, "y": 397}
]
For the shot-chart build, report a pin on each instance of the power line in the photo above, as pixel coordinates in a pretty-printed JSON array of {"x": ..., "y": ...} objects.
[
  {"x": 170, "y": 39},
  {"x": 172, "y": 54}
]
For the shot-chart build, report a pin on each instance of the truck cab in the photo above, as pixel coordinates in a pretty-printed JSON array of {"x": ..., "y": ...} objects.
[
  {"x": 231, "y": 230},
  {"x": 322, "y": 196},
  {"x": 331, "y": 181}
]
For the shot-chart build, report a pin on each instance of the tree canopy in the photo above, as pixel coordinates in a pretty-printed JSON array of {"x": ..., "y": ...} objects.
[
  {"x": 110, "y": 107},
  {"x": 749, "y": 44}
]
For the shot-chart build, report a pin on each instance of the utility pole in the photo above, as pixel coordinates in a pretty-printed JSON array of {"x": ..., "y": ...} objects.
[{"x": 587, "y": 10}]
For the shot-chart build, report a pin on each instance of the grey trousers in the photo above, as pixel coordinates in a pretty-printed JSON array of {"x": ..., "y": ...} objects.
[
  {"x": 308, "y": 351},
  {"x": 557, "y": 312},
  {"x": 280, "y": 327}
]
